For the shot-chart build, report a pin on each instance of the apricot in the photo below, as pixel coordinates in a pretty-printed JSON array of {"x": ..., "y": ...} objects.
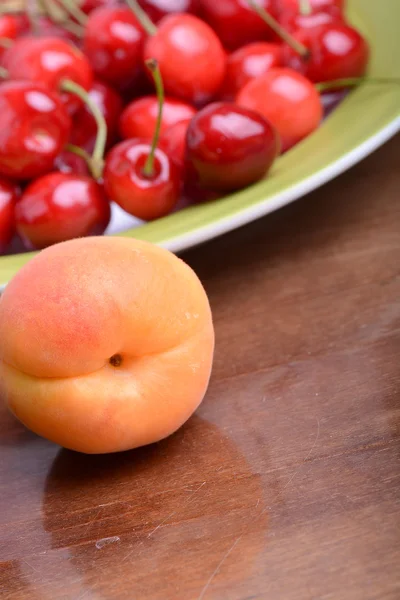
[{"x": 106, "y": 344}]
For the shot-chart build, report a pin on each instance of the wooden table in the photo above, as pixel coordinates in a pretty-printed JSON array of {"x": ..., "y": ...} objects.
[{"x": 286, "y": 484}]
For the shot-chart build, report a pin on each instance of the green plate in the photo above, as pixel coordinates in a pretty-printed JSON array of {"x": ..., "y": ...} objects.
[{"x": 368, "y": 117}]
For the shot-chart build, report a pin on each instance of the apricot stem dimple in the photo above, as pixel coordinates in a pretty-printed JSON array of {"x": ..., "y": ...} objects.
[{"x": 116, "y": 360}]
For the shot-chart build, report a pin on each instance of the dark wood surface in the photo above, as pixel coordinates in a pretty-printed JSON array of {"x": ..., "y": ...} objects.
[{"x": 286, "y": 484}]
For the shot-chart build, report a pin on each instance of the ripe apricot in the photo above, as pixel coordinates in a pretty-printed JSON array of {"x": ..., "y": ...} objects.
[{"x": 106, "y": 344}]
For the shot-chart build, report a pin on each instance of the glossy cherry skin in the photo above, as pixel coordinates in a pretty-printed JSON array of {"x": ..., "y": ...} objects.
[
  {"x": 139, "y": 118},
  {"x": 113, "y": 43},
  {"x": 157, "y": 9},
  {"x": 84, "y": 128},
  {"x": 68, "y": 162},
  {"x": 249, "y": 62},
  {"x": 288, "y": 100},
  {"x": 49, "y": 61},
  {"x": 296, "y": 21},
  {"x": 88, "y": 5},
  {"x": 191, "y": 58},
  {"x": 8, "y": 197},
  {"x": 35, "y": 127},
  {"x": 336, "y": 51},
  {"x": 236, "y": 23},
  {"x": 144, "y": 197},
  {"x": 229, "y": 147},
  {"x": 173, "y": 141},
  {"x": 59, "y": 207}
]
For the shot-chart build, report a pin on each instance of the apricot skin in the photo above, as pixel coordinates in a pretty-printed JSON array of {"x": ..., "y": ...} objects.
[{"x": 75, "y": 307}]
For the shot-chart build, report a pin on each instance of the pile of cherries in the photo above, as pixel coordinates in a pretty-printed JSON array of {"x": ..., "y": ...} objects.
[{"x": 152, "y": 104}]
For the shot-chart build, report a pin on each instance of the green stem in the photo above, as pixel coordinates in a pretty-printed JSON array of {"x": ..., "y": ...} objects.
[
  {"x": 59, "y": 15},
  {"x": 305, "y": 7},
  {"x": 3, "y": 73},
  {"x": 97, "y": 159},
  {"x": 153, "y": 67},
  {"x": 6, "y": 42},
  {"x": 279, "y": 30},
  {"x": 72, "y": 8},
  {"x": 352, "y": 82},
  {"x": 31, "y": 9},
  {"x": 81, "y": 153},
  {"x": 142, "y": 17}
]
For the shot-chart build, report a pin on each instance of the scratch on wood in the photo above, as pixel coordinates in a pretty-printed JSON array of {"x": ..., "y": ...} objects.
[
  {"x": 218, "y": 567},
  {"x": 189, "y": 501},
  {"x": 307, "y": 457}
]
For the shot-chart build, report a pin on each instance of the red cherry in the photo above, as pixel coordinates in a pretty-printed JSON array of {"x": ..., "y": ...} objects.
[
  {"x": 294, "y": 21},
  {"x": 288, "y": 100},
  {"x": 68, "y": 162},
  {"x": 157, "y": 9},
  {"x": 113, "y": 43},
  {"x": 249, "y": 62},
  {"x": 84, "y": 129},
  {"x": 144, "y": 197},
  {"x": 191, "y": 58},
  {"x": 88, "y": 5},
  {"x": 173, "y": 141},
  {"x": 49, "y": 61},
  {"x": 8, "y": 197},
  {"x": 59, "y": 207},
  {"x": 236, "y": 23},
  {"x": 47, "y": 28},
  {"x": 229, "y": 147},
  {"x": 337, "y": 51},
  {"x": 34, "y": 129},
  {"x": 140, "y": 117}
]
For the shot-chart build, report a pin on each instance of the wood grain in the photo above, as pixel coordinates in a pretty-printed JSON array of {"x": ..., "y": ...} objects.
[{"x": 286, "y": 484}]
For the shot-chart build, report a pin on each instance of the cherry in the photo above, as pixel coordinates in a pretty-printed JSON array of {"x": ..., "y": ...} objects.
[
  {"x": 84, "y": 129},
  {"x": 236, "y": 22},
  {"x": 191, "y": 58},
  {"x": 139, "y": 118},
  {"x": 140, "y": 177},
  {"x": 34, "y": 129},
  {"x": 229, "y": 147},
  {"x": 157, "y": 9},
  {"x": 173, "y": 141},
  {"x": 8, "y": 197},
  {"x": 69, "y": 162},
  {"x": 249, "y": 62},
  {"x": 88, "y": 5},
  {"x": 294, "y": 21},
  {"x": 288, "y": 100},
  {"x": 48, "y": 28},
  {"x": 49, "y": 61},
  {"x": 337, "y": 51},
  {"x": 113, "y": 43},
  {"x": 58, "y": 207}
]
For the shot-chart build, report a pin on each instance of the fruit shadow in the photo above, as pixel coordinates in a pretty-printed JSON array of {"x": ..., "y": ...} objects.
[{"x": 185, "y": 500}]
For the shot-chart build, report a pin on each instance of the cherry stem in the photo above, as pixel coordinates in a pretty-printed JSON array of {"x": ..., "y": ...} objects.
[
  {"x": 305, "y": 7},
  {"x": 82, "y": 154},
  {"x": 72, "y": 8},
  {"x": 31, "y": 9},
  {"x": 97, "y": 159},
  {"x": 352, "y": 82},
  {"x": 142, "y": 17},
  {"x": 6, "y": 42},
  {"x": 3, "y": 73},
  {"x": 154, "y": 69},
  {"x": 59, "y": 16},
  {"x": 276, "y": 27}
]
